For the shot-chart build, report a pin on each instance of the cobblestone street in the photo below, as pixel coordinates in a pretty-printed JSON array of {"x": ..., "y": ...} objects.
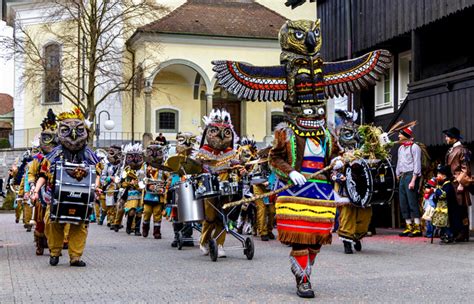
[{"x": 128, "y": 269}]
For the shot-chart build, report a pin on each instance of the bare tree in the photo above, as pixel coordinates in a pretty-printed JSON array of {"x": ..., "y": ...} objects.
[{"x": 95, "y": 62}]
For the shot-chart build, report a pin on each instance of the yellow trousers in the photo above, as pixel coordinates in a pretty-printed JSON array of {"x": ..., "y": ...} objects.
[
  {"x": 111, "y": 212},
  {"x": 18, "y": 210},
  {"x": 55, "y": 234},
  {"x": 27, "y": 213},
  {"x": 119, "y": 216},
  {"x": 156, "y": 210},
  {"x": 265, "y": 213},
  {"x": 353, "y": 222},
  {"x": 212, "y": 223},
  {"x": 97, "y": 211}
]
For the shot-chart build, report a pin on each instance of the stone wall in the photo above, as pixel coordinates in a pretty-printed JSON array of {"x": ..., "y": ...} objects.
[{"x": 7, "y": 157}]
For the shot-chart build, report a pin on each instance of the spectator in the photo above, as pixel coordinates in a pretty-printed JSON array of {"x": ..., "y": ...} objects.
[
  {"x": 458, "y": 159},
  {"x": 161, "y": 139},
  {"x": 408, "y": 174}
]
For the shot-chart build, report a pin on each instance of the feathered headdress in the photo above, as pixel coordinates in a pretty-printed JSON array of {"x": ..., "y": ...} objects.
[
  {"x": 132, "y": 148},
  {"x": 218, "y": 117},
  {"x": 49, "y": 122},
  {"x": 75, "y": 113},
  {"x": 245, "y": 141}
]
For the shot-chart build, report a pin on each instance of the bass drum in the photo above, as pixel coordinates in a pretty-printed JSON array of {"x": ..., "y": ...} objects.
[{"x": 370, "y": 182}]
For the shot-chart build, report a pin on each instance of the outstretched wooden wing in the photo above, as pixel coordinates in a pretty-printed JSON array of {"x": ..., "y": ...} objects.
[
  {"x": 252, "y": 82},
  {"x": 349, "y": 76}
]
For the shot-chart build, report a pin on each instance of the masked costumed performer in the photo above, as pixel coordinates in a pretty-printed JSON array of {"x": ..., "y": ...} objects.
[
  {"x": 131, "y": 175},
  {"x": 302, "y": 145},
  {"x": 73, "y": 134},
  {"x": 217, "y": 145},
  {"x": 154, "y": 187}
]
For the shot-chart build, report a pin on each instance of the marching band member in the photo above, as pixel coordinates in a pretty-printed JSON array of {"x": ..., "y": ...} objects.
[
  {"x": 73, "y": 134},
  {"x": 24, "y": 191},
  {"x": 47, "y": 142},
  {"x": 246, "y": 152},
  {"x": 131, "y": 174},
  {"x": 265, "y": 207},
  {"x": 154, "y": 192},
  {"x": 305, "y": 212},
  {"x": 108, "y": 185},
  {"x": 184, "y": 147},
  {"x": 353, "y": 220},
  {"x": 217, "y": 144}
]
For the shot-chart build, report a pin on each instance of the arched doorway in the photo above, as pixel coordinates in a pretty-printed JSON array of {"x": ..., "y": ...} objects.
[{"x": 230, "y": 102}]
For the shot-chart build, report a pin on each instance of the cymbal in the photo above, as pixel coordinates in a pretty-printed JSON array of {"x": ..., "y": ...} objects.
[
  {"x": 180, "y": 163},
  {"x": 257, "y": 161}
]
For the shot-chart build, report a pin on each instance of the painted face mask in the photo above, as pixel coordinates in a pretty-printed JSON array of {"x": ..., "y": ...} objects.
[
  {"x": 72, "y": 134},
  {"x": 219, "y": 136},
  {"x": 306, "y": 120},
  {"x": 348, "y": 136},
  {"x": 184, "y": 142},
  {"x": 114, "y": 155},
  {"x": 134, "y": 160},
  {"x": 154, "y": 155}
]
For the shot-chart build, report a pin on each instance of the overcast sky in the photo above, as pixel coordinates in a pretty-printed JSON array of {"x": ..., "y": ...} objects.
[{"x": 6, "y": 67}]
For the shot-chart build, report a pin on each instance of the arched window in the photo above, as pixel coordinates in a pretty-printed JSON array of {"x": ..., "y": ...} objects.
[
  {"x": 52, "y": 73},
  {"x": 167, "y": 121},
  {"x": 277, "y": 117}
]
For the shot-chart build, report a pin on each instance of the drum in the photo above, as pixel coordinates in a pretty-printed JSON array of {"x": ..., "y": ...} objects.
[
  {"x": 207, "y": 185},
  {"x": 190, "y": 209},
  {"x": 73, "y": 193},
  {"x": 227, "y": 188},
  {"x": 370, "y": 182}
]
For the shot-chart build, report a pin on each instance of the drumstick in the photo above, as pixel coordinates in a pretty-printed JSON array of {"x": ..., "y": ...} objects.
[{"x": 286, "y": 187}]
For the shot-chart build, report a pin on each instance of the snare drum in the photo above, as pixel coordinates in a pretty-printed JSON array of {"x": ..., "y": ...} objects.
[
  {"x": 73, "y": 193},
  {"x": 370, "y": 183},
  {"x": 207, "y": 185},
  {"x": 190, "y": 209},
  {"x": 227, "y": 188}
]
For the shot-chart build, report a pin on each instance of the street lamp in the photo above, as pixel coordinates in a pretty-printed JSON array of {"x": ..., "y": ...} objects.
[{"x": 108, "y": 124}]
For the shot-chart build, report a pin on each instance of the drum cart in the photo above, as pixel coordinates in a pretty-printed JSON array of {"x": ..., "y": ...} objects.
[
  {"x": 247, "y": 242},
  {"x": 189, "y": 209}
]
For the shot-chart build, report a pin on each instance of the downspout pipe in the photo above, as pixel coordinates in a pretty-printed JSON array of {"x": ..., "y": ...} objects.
[{"x": 133, "y": 92}]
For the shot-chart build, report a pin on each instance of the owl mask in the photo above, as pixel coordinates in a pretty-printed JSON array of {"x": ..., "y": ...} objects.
[
  {"x": 247, "y": 150},
  {"x": 114, "y": 155},
  {"x": 133, "y": 156},
  {"x": 347, "y": 129},
  {"x": 48, "y": 138},
  {"x": 154, "y": 154},
  {"x": 184, "y": 142},
  {"x": 306, "y": 120},
  {"x": 219, "y": 131},
  {"x": 73, "y": 134}
]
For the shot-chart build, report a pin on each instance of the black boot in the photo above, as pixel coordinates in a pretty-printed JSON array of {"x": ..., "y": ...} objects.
[
  {"x": 157, "y": 232},
  {"x": 302, "y": 276},
  {"x": 128, "y": 229},
  {"x": 116, "y": 228},
  {"x": 304, "y": 290},
  {"x": 146, "y": 229},
  {"x": 347, "y": 247},
  {"x": 53, "y": 260},
  {"x": 358, "y": 246},
  {"x": 138, "y": 221}
]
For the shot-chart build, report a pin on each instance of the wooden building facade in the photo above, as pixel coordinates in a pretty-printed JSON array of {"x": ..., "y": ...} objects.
[{"x": 432, "y": 74}]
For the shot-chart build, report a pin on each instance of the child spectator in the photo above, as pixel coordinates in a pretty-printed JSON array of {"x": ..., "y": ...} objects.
[
  {"x": 429, "y": 206},
  {"x": 446, "y": 215}
]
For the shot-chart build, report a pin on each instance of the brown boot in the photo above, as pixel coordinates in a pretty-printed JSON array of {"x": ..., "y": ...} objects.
[
  {"x": 157, "y": 232},
  {"x": 146, "y": 229}
]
